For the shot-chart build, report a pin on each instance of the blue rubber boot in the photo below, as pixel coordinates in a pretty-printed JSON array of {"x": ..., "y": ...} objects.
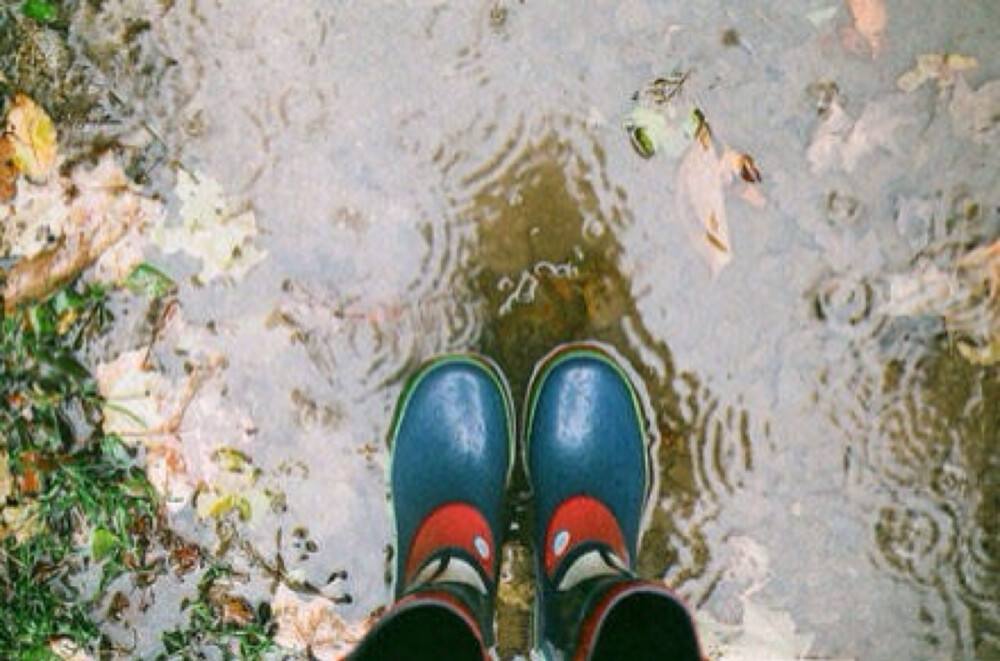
[
  {"x": 452, "y": 442},
  {"x": 587, "y": 458}
]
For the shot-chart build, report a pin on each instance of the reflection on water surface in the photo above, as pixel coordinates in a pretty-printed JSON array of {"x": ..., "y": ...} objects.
[{"x": 434, "y": 177}]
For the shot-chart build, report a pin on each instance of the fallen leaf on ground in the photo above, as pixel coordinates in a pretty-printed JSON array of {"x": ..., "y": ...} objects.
[
  {"x": 8, "y": 169},
  {"x": 870, "y": 19},
  {"x": 19, "y": 517},
  {"x": 71, "y": 236},
  {"x": 196, "y": 441},
  {"x": 942, "y": 67},
  {"x": 67, "y": 650},
  {"x": 211, "y": 230},
  {"x": 33, "y": 137},
  {"x": 143, "y": 407},
  {"x": 976, "y": 114},
  {"x": 34, "y": 221},
  {"x": 312, "y": 626},
  {"x": 841, "y": 142}
]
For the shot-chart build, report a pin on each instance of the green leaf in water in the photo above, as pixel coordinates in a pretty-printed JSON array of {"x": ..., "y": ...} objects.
[
  {"x": 40, "y": 10},
  {"x": 150, "y": 281},
  {"x": 646, "y": 130}
]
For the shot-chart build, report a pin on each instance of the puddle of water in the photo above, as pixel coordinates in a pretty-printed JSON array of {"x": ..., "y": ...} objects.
[{"x": 432, "y": 178}]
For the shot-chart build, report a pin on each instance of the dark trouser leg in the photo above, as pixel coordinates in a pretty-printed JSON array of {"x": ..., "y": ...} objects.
[{"x": 424, "y": 626}]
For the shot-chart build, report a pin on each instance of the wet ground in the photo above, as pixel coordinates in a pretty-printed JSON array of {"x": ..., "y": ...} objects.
[{"x": 433, "y": 176}]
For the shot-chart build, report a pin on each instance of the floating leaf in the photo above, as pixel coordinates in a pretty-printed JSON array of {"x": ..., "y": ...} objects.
[
  {"x": 702, "y": 131},
  {"x": 211, "y": 230},
  {"x": 33, "y": 137},
  {"x": 764, "y": 634},
  {"x": 213, "y": 507},
  {"x": 870, "y": 19},
  {"x": 942, "y": 67},
  {"x": 655, "y": 123},
  {"x": 744, "y": 166},
  {"x": 651, "y": 131},
  {"x": 150, "y": 281},
  {"x": 312, "y": 625},
  {"x": 58, "y": 239},
  {"x": 841, "y": 142},
  {"x": 700, "y": 199},
  {"x": 967, "y": 298},
  {"x": 976, "y": 114},
  {"x": 822, "y": 15}
]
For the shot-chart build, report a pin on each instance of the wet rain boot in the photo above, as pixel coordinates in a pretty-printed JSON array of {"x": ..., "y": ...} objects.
[
  {"x": 587, "y": 460},
  {"x": 451, "y": 456}
]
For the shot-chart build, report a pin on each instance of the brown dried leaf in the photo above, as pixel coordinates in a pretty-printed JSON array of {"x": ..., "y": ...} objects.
[
  {"x": 238, "y": 611},
  {"x": 107, "y": 206},
  {"x": 744, "y": 166},
  {"x": 8, "y": 170}
]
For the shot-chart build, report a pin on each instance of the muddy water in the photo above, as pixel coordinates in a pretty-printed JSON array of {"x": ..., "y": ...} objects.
[{"x": 435, "y": 176}]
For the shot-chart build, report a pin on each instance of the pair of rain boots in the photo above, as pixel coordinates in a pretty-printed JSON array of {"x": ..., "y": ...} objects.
[{"x": 586, "y": 457}]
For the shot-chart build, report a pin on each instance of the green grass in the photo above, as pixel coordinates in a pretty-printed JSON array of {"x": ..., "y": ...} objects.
[
  {"x": 220, "y": 620},
  {"x": 95, "y": 510}
]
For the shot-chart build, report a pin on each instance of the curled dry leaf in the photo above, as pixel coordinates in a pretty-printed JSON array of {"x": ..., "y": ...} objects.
[
  {"x": 312, "y": 626},
  {"x": 33, "y": 138},
  {"x": 870, "y": 19},
  {"x": 743, "y": 165}
]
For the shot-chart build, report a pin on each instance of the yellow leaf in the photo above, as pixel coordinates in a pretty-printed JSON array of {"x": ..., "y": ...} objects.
[
  {"x": 212, "y": 506},
  {"x": 33, "y": 136},
  {"x": 942, "y": 67}
]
